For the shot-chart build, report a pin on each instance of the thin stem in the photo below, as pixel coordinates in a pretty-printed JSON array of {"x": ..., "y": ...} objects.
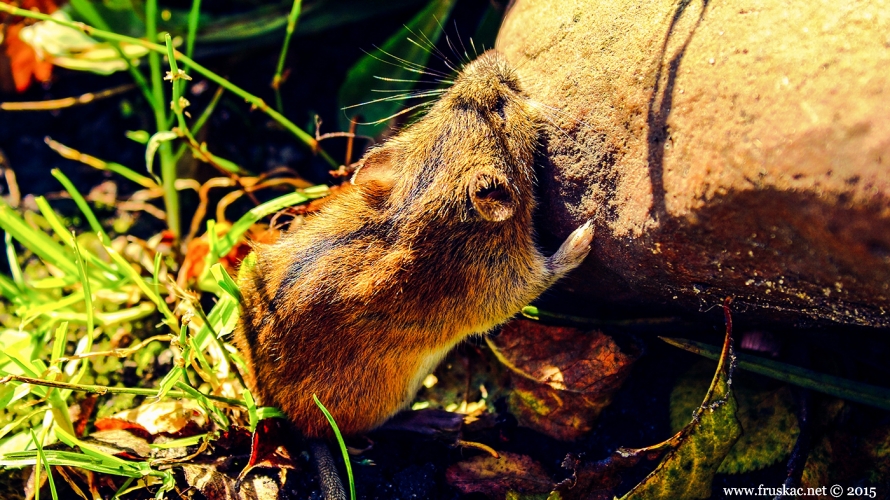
[
  {"x": 859, "y": 392},
  {"x": 202, "y": 119},
  {"x": 194, "y": 17},
  {"x": 168, "y": 163},
  {"x": 102, "y": 389},
  {"x": 291, "y": 26},
  {"x": 175, "y": 76},
  {"x": 198, "y": 150}
]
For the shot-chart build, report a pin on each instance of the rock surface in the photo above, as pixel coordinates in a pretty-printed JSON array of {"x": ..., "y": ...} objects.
[{"x": 723, "y": 148}]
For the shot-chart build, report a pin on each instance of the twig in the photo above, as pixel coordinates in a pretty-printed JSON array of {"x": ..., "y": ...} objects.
[
  {"x": 73, "y": 154},
  {"x": 201, "y": 211},
  {"x": 479, "y": 446},
  {"x": 15, "y": 196},
  {"x": 66, "y": 102},
  {"x": 102, "y": 389},
  {"x": 120, "y": 353}
]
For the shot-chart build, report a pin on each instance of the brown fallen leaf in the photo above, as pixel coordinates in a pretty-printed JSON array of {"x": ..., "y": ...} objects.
[
  {"x": 597, "y": 480},
  {"x": 695, "y": 453},
  {"x": 562, "y": 377},
  {"x": 218, "y": 486},
  {"x": 174, "y": 418},
  {"x": 496, "y": 477},
  {"x": 198, "y": 248},
  {"x": 267, "y": 448},
  {"x": 120, "y": 443},
  {"x": 111, "y": 424},
  {"x": 82, "y": 412}
]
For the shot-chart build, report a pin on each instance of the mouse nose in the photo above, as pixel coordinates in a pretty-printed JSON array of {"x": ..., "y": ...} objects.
[{"x": 485, "y": 83}]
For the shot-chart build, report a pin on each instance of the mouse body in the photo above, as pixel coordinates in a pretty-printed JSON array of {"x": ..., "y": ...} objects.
[{"x": 434, "y": 243}]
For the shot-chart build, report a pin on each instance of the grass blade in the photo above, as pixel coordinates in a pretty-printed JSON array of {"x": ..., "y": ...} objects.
[
  {"x": 169, "y": 318},
  {"x": 14, "y": 268},
  {"x": 255, "y": 214},
  {"x": 41, "y": 459},
  {"x": 65, "y": 235},
  {"x": 125, "y": 172},
  {"x": 342, "y": 444},
  {"x": 36, "y": 241},
  {"x": 291, "y": 26},
  {"x": 194, "y": 17},
  {"x": 91, "y": 320},
  {"x": 859, "y": 392},
  {"x": 82, "y": 205}
]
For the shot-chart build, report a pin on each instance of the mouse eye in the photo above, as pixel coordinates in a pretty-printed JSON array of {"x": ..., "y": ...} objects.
[
  {"x": 491, "y": 196},
  {"x": 500, "y": 107}
]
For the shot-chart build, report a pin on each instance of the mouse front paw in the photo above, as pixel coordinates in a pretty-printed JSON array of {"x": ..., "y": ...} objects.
[{"x": 573, "y": 251}]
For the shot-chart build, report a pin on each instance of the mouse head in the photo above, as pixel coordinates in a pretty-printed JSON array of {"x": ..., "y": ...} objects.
[{"x": 470, "y": 157}]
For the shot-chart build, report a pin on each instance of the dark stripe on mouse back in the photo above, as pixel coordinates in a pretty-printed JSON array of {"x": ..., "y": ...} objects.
[
  {"x": 318, "y": 250},
  {"x": 298, "y": 267},
  {"x": 249, "y": 319}
]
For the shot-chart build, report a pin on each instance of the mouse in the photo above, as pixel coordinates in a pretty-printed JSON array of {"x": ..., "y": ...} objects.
[{"x": 433, "y": 243}]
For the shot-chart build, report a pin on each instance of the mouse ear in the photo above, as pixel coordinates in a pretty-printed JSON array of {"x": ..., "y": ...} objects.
[
  {"x": 491, "y": 196},
  {"x": 376, "y": 167}
]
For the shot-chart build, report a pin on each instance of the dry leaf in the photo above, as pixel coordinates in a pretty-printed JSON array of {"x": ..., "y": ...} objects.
[
  {"x": 497, "y": 476},
  {"x": 169, "y": 417},
  {"x": 696, "y": 452},
  {"x": 218, "y": 486},
  {"x": 267, "y": 448},
  {"x": 120, "y": 443},
  {"x": 198, "y": 248},
  {"x": 563, "y": 377}
]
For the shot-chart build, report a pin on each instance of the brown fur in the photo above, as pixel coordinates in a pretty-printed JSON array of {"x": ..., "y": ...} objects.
[{"x": 434, "y": 244}]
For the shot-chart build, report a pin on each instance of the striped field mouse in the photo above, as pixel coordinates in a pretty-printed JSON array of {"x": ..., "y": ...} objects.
[{"x": 434, "y": 243}]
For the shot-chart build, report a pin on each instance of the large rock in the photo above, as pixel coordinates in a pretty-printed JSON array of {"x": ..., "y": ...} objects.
[{"x": 723, "y": 148}]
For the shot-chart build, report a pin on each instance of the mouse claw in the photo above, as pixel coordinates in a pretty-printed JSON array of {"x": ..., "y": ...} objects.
[
  {"x": 573, "y": 251},
  {"x": 581, "y": 238}
]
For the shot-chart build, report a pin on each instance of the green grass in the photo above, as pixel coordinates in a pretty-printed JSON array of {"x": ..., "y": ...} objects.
[
  {"x": 34, "y": 387},
  {"x": 70, "y": 296},
  {"x": 342, "y": 444}
]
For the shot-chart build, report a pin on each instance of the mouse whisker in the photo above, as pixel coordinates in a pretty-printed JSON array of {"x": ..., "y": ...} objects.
[
  {"x": 475, "y": 52},
  {"x": 466, "y": 58},
  {"x": 555, "y": 125},
  {"x": 400, "y": 113},
  {"x": 558, "y": 112},
  {"x": 400, "y": 97},
  {"x": 413, "y": 93},
  {"x": 431, "y": 48},
  {"x": 463, "y": 60},
  {"x": 407, "y": 65},
  {"x": 403, "y": 80}
]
